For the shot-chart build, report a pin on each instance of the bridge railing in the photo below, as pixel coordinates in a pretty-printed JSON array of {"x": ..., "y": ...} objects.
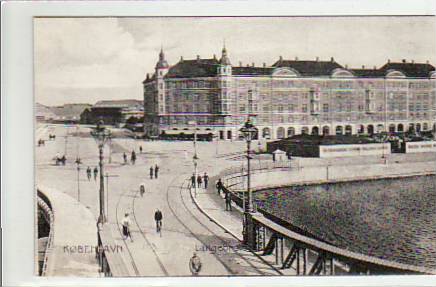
[
  {"x": 111, "y": 263},
  {"x": 45, "y": 204},
  {"x": 326, "y": 258}
]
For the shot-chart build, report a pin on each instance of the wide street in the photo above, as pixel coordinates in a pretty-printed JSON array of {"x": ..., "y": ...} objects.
[{"x": 185, "y": 228}]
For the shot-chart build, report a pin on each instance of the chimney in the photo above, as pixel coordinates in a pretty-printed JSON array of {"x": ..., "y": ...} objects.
[
  {"x": 264, "y": 65},
  {"x": 363, "y": 67},
  {"x": 413, "y": 61},
  {"x": 296, "y": 58},
  {"x": 404, "y": 61},
  {"x": 198, "y": 57},
  {"x": 248, "y": 65},
  {"x": 375, "y": 68},
  {"x": 317, "y": 59},
  {"x": 332, "y": 59},
  {"x": 389, "y": 60},
  {"x": 240, "y": 64},
  {"x": 214, "y": 56},
  {"x": 427, "y": 62},
  {"x": 252, "y": 64},
  {"x": 148, "y": 76},
  {"x": 181, "y": 58},
  {"x": 280, "y": 58}
]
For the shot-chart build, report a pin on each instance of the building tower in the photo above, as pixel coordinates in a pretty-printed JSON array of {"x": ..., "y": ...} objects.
[
  {"x": 225, "y": 84},
  {"x": 160, "y": 71}
]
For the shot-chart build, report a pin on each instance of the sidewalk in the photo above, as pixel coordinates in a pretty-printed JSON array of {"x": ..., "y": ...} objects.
[{"x": 75, "y": 237}]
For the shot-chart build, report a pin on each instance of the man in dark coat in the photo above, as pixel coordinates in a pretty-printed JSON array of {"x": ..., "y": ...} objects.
[
  {"x": 193, "y": 180},
  {"x": 228, "y": 201},
  {"x": 199, "y": 180},
  {"x": 219, "y": 186},
  {"x": 206, "y": 180},
  {"x": 158, "y": 218},
  {"x": 95, "y": 173},
  {"x": 156, "y": 171},
  {"x": 151, "y": 172}
]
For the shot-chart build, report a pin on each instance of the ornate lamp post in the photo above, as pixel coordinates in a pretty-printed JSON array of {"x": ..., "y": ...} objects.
[
  {"x": 101, "y": 135},
  {"x": 249, "y": 131}
]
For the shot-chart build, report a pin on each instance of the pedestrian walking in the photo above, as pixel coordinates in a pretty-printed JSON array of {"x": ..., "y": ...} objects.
[
  {"x": 195, "y": 264},
  {"x": 206, "y": 180},
  {"x": 133, "y": 157},
  {"x": 193, "y": 180},
  {"x": 89, "y": 173},
  {"x": 125, "y": 158},
  {"x": 199, "y": 181},
  {"x": 140, "y": 149},
  {"x": 158, "y": 219},
  {"x": 126, "y": 227},
  {"x": 95, "y": 173},
  {"x": 151, "y": 172},
  {"x": 219, "y": 186},
  {"x": 228, "y": 199},
  {"x": 142, "y": 189},
  {"x": 156, "y": 171}
]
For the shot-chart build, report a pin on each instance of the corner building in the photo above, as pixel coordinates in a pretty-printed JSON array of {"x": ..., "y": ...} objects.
[{"x": 290, "y": 97}]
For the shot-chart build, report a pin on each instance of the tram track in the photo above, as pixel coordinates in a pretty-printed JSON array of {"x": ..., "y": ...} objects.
[
  {"x": 223, "y": 241},
  {"x": 230, "y": 270},
  {"x": 159, "y": 261},
  {"x": 132, "y": 261}
]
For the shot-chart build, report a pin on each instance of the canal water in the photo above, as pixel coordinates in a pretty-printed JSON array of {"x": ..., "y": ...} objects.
[{"x": 393, "y": 219}]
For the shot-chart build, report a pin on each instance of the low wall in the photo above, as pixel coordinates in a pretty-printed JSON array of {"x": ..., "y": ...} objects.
[
  {"x": 322, "y": 174},
  {"x": 425, "y": 146},
  {"x": 326, "y": 151}
]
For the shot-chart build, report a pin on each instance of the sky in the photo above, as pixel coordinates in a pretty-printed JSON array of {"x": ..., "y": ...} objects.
[{"x": 84, "y": 60}]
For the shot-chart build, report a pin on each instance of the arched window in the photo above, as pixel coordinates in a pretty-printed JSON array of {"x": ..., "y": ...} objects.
[
  {"x": 304, "y": 130},
  {"x": 348, "y": 130},
  {"x": 391, "y": 128},
  {"x": 325, "y": 131},
  {"x": 315, "y": 131},
  {"x": 411, "y": 127},
  {"x": 339, "y": 130},
  {"x": 281, "y": 133},
  {"x": 418, "y": 127},
  {"x": 291, "y": 132},
  {"x": 400, "y": 128},
  {"x": 266, "y": 133},
  {"x": 361, "y": 129}
]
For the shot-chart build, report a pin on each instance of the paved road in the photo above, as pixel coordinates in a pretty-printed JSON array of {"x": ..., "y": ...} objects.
[{"x": 185, "y": 229}]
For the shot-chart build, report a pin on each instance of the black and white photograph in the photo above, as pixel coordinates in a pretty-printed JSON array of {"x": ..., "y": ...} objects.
[{"x": 263, "y": 146}]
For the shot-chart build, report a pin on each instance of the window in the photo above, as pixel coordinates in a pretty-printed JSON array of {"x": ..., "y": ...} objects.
[
  {"x": 291, "y": 108},
  {"x": 304, "y": 108},
  {"x": 280, "y": 108},
  {"x": 325, "y": 108}
]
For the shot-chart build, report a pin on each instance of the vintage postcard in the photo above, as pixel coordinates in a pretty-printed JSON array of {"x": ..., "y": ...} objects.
[{"x": 235, "y": 146}]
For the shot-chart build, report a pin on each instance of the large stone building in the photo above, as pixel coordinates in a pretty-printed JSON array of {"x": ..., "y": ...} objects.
[{"x": 290, "y": 97}]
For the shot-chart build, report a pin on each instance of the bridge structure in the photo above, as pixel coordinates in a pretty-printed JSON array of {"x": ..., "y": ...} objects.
[{"x": 293, "y": 247}]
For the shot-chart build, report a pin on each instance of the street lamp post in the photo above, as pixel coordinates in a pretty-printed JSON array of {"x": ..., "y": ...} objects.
[
  {"x": 249, "y": 131},
  {"x": 78, "y": 162},
  {"x": 101, "y": 135}
]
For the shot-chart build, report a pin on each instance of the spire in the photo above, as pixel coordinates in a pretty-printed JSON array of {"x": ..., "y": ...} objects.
[
  {"x": 162, "y": 64},
  {"x": 224, "y": 58}
]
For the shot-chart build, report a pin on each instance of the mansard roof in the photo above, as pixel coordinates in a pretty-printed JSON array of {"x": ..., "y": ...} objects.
[
  {"x": 194, "y": 68},
  {"x": 252, "y": 71},
  {"x": 309, "y": 68},
  {"x": 413, "y": 70},
  {"x": 368, "y": 73}
]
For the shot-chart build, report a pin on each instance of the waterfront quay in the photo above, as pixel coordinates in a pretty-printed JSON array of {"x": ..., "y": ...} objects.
[{"x": 192, "y": 222}]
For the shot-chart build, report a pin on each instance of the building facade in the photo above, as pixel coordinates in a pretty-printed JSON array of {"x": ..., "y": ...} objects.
[{"x": 287, "y": 98}]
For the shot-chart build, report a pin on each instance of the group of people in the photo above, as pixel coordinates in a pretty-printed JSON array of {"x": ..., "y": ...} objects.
[
  {"x": 154, "y": 171},
  {"x": 89, "y": 173},
  {"x": 132, "y": 157},
  {"x": 197, "y": 181},
  {"x": 227, "y": 196}
]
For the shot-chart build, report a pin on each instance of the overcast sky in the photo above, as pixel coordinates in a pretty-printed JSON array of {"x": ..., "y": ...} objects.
[{"x": 83, "y": 60}]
